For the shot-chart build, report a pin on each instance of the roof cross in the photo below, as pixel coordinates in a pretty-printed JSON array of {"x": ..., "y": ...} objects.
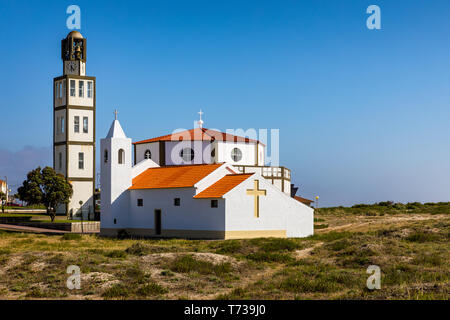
[
  {"x": 115, "y": 114},
  {"x": 200, "y": 122}
]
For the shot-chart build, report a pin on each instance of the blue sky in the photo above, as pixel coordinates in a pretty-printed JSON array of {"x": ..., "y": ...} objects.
[{"x": 363, "y": 114}]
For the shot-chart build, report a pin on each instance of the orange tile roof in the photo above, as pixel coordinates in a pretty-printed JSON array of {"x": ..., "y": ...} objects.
[
  {"x": 218, "y": 189},
  {"x": 199, "y": 134},
  {"x": 172, "y": 176}
]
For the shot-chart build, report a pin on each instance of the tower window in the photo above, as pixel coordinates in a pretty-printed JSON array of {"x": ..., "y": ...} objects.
[
  {"x": 85, "y": 124},
  {"x": 176, "y": 202},
  {"x": 187, "y": 154},
  {"x": 140, "y": 202},
  {"x": 62, "y": 124},
  {"x": 81, "y": 160},
  {"x": 121, "y": 156},
  {"x": 81, "y": 89},
  {"x": 72, "y": 88},
  {"x": 214, "y": 203},
  {"x": 76, "y": 124},
  {"x": 57, "y": 125},
  {"x": 148, "y": 154},
  {"x": 60, "y": 160},
  {"x": 236, "y": 154},
  {"x": 60, "y": 90},
  {"x": 89, "y": 89},
  {"x": 105, "y": 156}
]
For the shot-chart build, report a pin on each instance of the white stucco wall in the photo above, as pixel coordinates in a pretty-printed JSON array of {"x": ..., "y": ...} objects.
[
  {"x": 60, "y": 150},
  {"x": 115, "y": 180},
  {"x": 277, "y": 211},
  {"x": 60, "y": 97},
  {"x": 88, "y": 151},
  {"x": 82, "y": 190},
  {"x": 81, "y": 136},
  {"x": 192, "y": 214},
  {"x": 224, "y": 149},
  {"x": 141, "y": 148},
  {"x": 78, "y": 101},
  {"x": 202, "y": 152}
]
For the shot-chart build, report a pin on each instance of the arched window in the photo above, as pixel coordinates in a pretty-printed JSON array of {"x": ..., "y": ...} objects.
[
  {"x": 121, "y": 156},
  {"x": 213, "y": 153},
  {"x": 236, "y": 154},
  {"x": 147, "y": 154},
  {"x": 105, "y": 156},
  {"x": 187, "y": 154}
]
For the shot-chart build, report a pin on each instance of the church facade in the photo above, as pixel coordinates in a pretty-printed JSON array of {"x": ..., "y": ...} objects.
[{"x": 190, "y": 189}]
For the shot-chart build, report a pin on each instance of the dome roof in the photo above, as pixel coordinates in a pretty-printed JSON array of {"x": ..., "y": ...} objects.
[{"x": 75, "y": 34}]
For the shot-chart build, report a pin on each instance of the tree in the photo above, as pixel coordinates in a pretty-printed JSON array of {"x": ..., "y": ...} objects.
[
  {"x": 3, "y": 199},
  {"x": 45, "y": 187}
]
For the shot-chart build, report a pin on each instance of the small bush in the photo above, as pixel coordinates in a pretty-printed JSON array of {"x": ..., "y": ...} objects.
[
  {"x": 421, "y": 236},
  {"x": 279, "y": 244},
  {"x": 229, "y": 246},
  {"x": 270, "y": 257},
  {"x": 36, "y": 293},
  {"x": 122, "y": 234},
  {"x": 320, "y": 226},
  {"x": 188, "y": 263},
  {"x": 116, "y": 254},
  {"x": 138, "y": 249},
  {"x": 71, "y": 236},
  {"x": 150, "y": 289},
  {"x": 433, "y": 259},
  {"x": 116, "y": 291},
  {"x": 339, "y": 245}
]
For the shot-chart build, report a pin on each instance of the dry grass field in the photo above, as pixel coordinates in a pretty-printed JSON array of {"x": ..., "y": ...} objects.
[{"x": 410, "y": 243}]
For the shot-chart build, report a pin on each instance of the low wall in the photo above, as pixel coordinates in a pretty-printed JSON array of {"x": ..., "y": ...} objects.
[
  {"x": 12, "y": 220},
  {"x": 25, "y": 211},
  {"x": 77, "y": 227}
]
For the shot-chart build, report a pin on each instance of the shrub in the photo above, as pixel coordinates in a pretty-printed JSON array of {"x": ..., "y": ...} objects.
[
  {"x": 270, "y": 257},
  {"x": 320, "y": 226},
  {"x": 115, "y": 291},
  {"x": 122, "y": 234},
  {"x": 116, "y": 254},
  {"x": 188, "y": 263},
  {"x": 339, "y": 245},
  {"x": 279, "y": 244},
  {"x": 385, "y": 203},
  {"x": 229, "y": 246},
  {"x": 151, "y": 288},
  {"x": 420, "y": 236},
  {"x": 138, "y": 249},
  {"x": 71, "y": 236},
  {"x": 36, "y": 293}
]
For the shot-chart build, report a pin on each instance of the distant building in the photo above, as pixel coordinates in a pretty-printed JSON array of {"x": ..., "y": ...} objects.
[{"x": 3, "y": 186}]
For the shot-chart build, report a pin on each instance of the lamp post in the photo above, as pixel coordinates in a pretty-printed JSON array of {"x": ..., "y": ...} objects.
[
  {"x": 81, "y": 209},
  {"x": 317, "y": 202}
]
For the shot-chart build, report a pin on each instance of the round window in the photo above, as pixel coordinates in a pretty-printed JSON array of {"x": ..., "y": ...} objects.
[
  {"x": 148, "y": 154},
  {"x": 187, "y": 154},
  {"x": 236, "y": 154}
]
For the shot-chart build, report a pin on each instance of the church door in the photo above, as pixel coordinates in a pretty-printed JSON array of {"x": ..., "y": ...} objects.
[{"x": 157, "y": 221}]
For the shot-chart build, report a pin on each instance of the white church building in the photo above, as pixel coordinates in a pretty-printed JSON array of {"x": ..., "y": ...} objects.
[{"x": 198, "y": 183}]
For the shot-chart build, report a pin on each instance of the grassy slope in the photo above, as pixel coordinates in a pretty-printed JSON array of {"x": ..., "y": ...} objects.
[{"x": 411, "y": 246}]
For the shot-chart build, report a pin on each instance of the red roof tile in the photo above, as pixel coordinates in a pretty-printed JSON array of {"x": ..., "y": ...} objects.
[
  {"x": 199, "y": 134},
  {"x": 172, "y": 176},
  {"x": 222, "y": 186}
]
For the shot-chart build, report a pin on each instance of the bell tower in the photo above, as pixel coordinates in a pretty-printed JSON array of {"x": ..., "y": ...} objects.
[{"x": 74, "y": 127}]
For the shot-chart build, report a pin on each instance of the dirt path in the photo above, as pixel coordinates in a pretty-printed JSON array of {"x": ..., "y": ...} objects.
[{"x": 378, "y": 221}]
